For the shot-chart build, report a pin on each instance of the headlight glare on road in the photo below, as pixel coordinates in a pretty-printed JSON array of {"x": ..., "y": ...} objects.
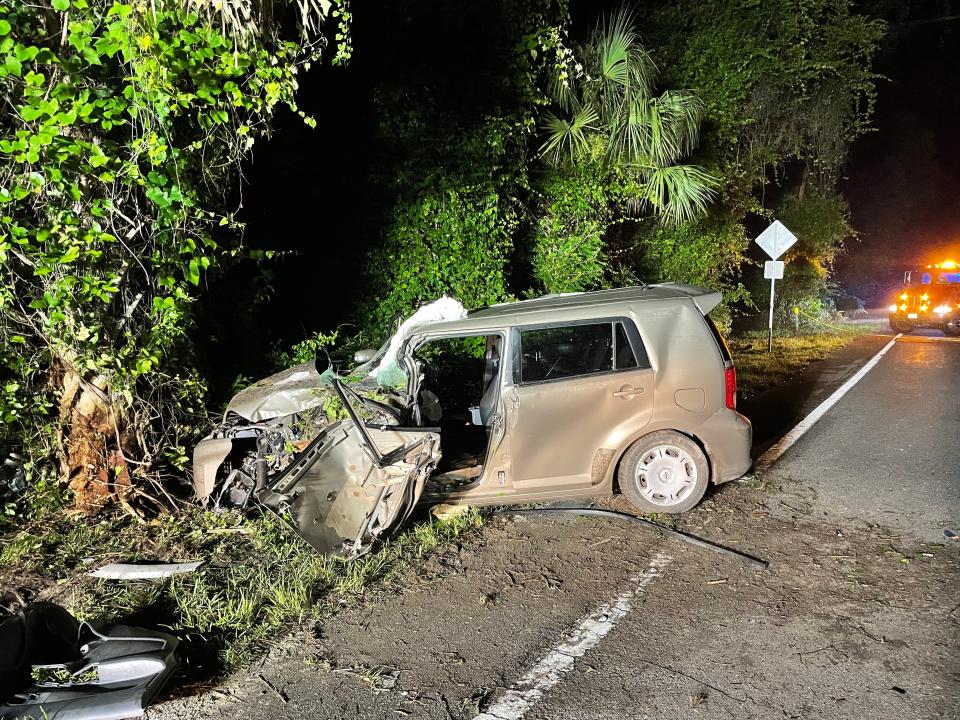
[{"x": 942, "y": 309}]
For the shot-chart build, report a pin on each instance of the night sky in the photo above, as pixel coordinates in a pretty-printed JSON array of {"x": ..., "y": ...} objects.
[{"x": 903, "y": 179}]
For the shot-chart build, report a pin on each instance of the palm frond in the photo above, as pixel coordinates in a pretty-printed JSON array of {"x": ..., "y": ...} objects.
[
  {"x": 658, "y": 131},
  {"x": 624, "y": 75},
  {"x": 607, "y": 58},
  {"x": 679, "y": 119},
  {"x": 677, "y": 193},
  {"x": 567, "y": 137}
]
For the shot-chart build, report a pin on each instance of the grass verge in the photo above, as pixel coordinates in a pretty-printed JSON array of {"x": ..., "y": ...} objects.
[
  {"x": 759, "y": 370},
  {"x": 258, "y": 576}
]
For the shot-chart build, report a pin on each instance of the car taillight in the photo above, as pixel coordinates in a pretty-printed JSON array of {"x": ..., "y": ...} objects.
[{"x": 730, "y": 382}]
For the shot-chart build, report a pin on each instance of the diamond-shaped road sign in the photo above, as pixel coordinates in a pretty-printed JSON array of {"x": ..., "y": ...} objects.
[
  {"x": 773, "y": 269},
  {"x": 776, "y": 239}
]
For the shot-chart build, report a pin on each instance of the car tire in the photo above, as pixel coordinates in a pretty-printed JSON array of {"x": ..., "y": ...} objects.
[
  {"x": 898, "y": 328},
  {"x": 952, "y": 329},
  {"x": 664, "y": 471}
]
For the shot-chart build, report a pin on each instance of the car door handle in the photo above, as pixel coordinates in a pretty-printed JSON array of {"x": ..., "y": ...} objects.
[{"x": 626, "y": 392}]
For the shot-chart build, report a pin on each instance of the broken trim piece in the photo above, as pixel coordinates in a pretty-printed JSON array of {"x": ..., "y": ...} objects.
[
  {"x": 52, "y": 666},
  {"x": 669, "y": 532},
  {"x": 134, "y": 571}
]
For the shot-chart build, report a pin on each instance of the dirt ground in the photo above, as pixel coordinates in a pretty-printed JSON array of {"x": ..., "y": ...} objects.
[
  {"x": 842, "y": 625},
  {"x": 854, "y": 618}
]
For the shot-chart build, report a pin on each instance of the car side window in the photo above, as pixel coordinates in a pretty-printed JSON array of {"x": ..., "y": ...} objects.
[{"x": 565, "y": 351}]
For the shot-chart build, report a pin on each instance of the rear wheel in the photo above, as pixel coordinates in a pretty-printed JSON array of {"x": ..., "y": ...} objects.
[{"x": 664, "y": 472}]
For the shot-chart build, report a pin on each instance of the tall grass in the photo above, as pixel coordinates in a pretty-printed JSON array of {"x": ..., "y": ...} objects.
[
  {"x": 759, "y": 370},
  {"x": 258, "y": 577}
]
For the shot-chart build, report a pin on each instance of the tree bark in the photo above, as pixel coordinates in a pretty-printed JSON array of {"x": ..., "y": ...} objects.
[{"x": 93, "y": 462}]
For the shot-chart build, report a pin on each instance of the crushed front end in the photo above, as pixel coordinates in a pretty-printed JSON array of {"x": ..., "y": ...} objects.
[{"x": 331, "y": 457}]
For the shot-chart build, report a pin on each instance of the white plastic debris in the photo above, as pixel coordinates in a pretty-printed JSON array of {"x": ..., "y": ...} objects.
[{"x": 129, "y": 571}]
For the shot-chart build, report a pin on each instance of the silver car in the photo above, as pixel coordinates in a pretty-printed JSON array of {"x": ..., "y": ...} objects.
[{"x": 565, "y": 396}]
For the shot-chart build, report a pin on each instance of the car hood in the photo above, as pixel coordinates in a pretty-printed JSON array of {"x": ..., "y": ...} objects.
[{"x": 294, "y": 390}]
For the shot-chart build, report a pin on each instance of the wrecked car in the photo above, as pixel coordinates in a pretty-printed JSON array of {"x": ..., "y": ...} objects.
[{"x": 563, "y": 396}]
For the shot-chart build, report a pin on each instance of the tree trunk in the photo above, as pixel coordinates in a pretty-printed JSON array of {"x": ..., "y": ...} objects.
[{"x": 93, "y": 442}]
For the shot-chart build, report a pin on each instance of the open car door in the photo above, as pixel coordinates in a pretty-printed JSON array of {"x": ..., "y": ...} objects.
[{"x": 355, "y": 481}]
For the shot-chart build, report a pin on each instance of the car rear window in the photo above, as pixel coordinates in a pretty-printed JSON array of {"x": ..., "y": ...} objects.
[
  {"x": 721, "y": 343},
  {"x": 564, "y": 351},
  {"x": 625, "y": 357}
]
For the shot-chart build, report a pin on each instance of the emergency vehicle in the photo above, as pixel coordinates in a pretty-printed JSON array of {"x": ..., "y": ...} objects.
[{"x": 929, "y": 298}]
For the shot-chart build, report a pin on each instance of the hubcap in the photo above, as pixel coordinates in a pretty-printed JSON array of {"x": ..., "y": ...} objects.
[{"x": 666, "y": 475}]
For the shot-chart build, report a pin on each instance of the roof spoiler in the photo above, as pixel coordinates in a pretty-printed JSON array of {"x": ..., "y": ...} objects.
[{"x": 704, "y": 298}]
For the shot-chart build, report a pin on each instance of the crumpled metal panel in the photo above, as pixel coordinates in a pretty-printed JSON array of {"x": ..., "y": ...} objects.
[
  {"x": 208, "y": 456},
  {"x": 344, "y": 498},
  {"x": 294, "y": 390}
]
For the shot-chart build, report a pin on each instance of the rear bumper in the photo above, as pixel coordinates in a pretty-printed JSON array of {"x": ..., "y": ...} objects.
[{"x": 728, "y": 437}]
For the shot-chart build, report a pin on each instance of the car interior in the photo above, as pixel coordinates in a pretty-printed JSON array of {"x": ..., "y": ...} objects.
[
  {"x": 553, "y": 353},
  {"x": 458, "y": 394}
]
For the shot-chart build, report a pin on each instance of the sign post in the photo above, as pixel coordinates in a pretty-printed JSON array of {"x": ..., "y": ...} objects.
[{"x": 774, "y": 241}]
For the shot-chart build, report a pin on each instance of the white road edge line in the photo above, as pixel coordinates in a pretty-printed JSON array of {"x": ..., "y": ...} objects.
[
  {"x": 587, "y": 634},
  {"x": 774, "y": 452}
]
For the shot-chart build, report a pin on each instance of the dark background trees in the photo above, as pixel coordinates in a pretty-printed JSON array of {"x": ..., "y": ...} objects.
[
  {"x": 429, "y": 146},
  {"x": 902, "y": 179},
  {"x": 502, "y": 150}
]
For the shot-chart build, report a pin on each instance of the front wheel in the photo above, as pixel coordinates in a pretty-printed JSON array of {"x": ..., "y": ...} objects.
[
  {"x": 664, "y": 472},
  {"x": 900, "y": 328}
]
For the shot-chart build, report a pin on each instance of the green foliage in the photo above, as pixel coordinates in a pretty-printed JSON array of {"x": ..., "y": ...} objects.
[
  {"x": 804, "y": 285},
  {"x": 124, "y": 127},
  {"x": 605, "y": 89},
  {"x": 569, "y": 236},
  {"x": 821, "y": 223},
  {"x": 454, "y": 239},
  {"x": 786, "y": 87},
  {"x": 461, "y": 182},
  {"x": 708, "y": 252},
  {"x": 782, "y": 79},
  {"x": 315, "y": 346}
]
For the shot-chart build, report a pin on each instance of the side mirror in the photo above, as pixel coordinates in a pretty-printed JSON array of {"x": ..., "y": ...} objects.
[{"x": 362, "y": 356}]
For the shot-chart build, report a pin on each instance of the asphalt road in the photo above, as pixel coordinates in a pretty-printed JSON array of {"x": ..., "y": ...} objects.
[
  {"x": 889, "y": 452},
  {"x": 538, "y": 618}
]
